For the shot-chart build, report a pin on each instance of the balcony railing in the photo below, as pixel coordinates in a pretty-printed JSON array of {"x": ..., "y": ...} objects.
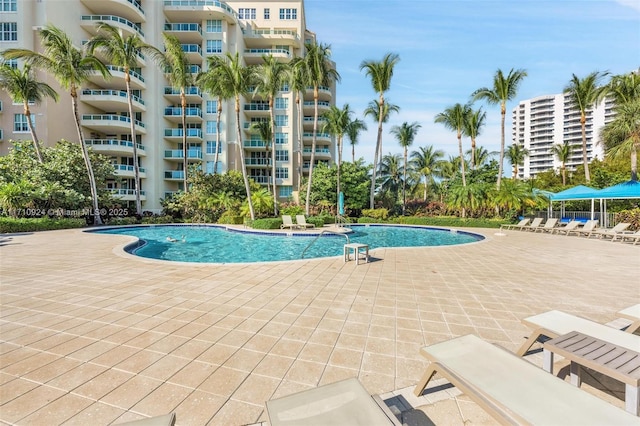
[
  {"x": 268, "y": 51},
  {"x": 256, "y": 161},
  {"x": 201, "y": 3},
  {"x": 126, "y": 192},
  {"x": 127, "y": 168},
  {"x": 112, "y": 142},
  {"x": 122, "y": 70},
  {"x": 271, "y": 31},
  {"x": 191, "y": 48},
  {"x": 254, "y": 144},
  {"x": 191, "y": 90},
  {"x": 178, "y": 153},
  {"x": 319, "y": 135},
  {"x": 120, "y": 93},
  {"x": 312, "y": 104},
  {"x": 112, "y": 18},
  {"x": 111, "y": 117},
  {"x": 318, "y": 151},
  {"x": 256, "y": 107},
  {"x": 195, "y": 133},
  {"x": 177, "y": 111},
  {"x": 186, "y": 27},
  {"x": 173, "y": 174}
]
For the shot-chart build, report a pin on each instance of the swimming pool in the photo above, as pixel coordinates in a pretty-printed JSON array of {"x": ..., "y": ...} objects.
[{"x": 217, "y": 244}]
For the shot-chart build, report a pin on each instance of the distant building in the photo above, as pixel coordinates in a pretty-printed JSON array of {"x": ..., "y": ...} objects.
[{"x": 205, "y": 28}]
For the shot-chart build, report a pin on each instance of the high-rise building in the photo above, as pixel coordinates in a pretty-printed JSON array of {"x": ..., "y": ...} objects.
[
  {"x": 545, "y": 121},
  {"x": 204, "y": 28}
]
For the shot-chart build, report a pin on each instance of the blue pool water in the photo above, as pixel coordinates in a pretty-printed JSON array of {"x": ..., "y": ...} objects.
[{"x": 216, "y": 244}]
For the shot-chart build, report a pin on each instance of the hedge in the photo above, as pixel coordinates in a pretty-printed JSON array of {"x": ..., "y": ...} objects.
[
  {"x": 10, "y": 225},
  {"x": 448, "y": 221}
]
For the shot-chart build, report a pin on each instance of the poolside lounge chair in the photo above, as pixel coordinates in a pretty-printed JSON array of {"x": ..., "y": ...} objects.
[
  {"x": 556, "y": 323},
  {"x": 513, "y": 390},
  {"x": 166, "y": 420},
  {"x": 535, "y": 224},
  {"x": 631, "y": 313},
  {"x": 341, "y": 403},
  {"x": 589, "y": 228},
  {"x": 567, "y": 228},
  {"x": 287, "y": 222},
  {"x": 635, "y": 237},
  {"x": 548, "y": 225},
  {"x": 613, "y": 232},
  {"x": 302, "y": 222},
  {"x": 518, "y": 225}
]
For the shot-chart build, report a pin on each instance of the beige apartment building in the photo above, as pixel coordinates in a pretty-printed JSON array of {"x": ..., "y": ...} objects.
[{"x": 205, "y": 28}]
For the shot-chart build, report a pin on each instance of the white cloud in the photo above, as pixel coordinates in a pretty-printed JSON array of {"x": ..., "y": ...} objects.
[{"x": 633, "y": 4}]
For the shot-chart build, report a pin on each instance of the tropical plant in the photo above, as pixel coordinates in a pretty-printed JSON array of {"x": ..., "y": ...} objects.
[
  {"x": 514, "y": 195},
  {"x": 563, "y": 152},
  {"x": 454, "y": 118},
  {"x": 391, "y": 176},
  {"x": 582, "y": 95},
  {"x": 72, "y": 67},
  {"x": 481, "y": 156},
  {"x": 317, "y": 71},
  {"x": 516, "y": 155},
  {"x": 336, "y": 124},
  {"x": 504, "y": 89},
  {"x": 271, "y": 76},
  {"x": 264, "y": 129},
  {"x": 353, "y": 133},
  {"x": 123, "y": 52},
  {"x": 624, "y": 88},
  {"x": 427, "y": 162},
  {"x": 467, "y": 197},
  {"x": 298, "y": 85},
  {"x": 622, "y": 135},
  {"x": 23, "y": 87},
  {"x": 380, "y": 73},
  {"x": 405, "y": 134},
  {"x": 472, "y": 129}
]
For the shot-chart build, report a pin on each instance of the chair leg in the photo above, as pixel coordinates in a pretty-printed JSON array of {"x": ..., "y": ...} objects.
[
  {"x": 422, "y": 384},
  {"x": 528, "y": 343}
]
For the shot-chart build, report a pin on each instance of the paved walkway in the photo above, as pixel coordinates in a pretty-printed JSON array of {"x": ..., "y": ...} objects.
[{"x": 89, "y": 335}]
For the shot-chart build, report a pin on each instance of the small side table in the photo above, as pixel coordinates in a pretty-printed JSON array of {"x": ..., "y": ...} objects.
[{"x": 356, "y": 248}]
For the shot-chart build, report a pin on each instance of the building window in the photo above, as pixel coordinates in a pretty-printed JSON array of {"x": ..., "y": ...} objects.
[
  {"x": 20, "y": 124},
  {"x": 210, "y": 167},
  {"x": 282, "y": 138},
  {"x": 282, "y": 103},
  {"x": 212, "y": 107},
  {"x": 8, "y": 5},
  {"x": 214, "y": 46},
  {"x": 287, "y": 13},
  {"x": 284, "y": 88},
  {"x": 285, "y": 191},
  {"x": 282, "y": 173},
  {"x": 282, "y": 155},
  {"x": 211, "y": 127},
  {"x": 282, "y": 120},
  {"x": 267, "y": 13},
  {"x": 8, "y": 31},
  {"x": 214, "y": 26},
  {"x": 11, "y": 63},
  {"x": 245, "y": 13},
  {"x": 211, "y": 147}
]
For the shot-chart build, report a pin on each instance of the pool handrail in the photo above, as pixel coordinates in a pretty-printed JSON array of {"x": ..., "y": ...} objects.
[{"x": 328, "y": 231}]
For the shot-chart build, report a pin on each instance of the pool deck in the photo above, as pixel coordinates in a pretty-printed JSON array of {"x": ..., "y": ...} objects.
[{"x": 89, "y": 335}]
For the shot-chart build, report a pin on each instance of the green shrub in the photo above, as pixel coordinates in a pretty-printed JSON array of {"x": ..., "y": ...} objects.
[
  {"x": 130, "y": 220},
  {"x": 629, "y": 216},
  {"x": 319, "y": 221},
  {"x": 231, "y": 218},
  {"x": 159, "y": 219},
  {"x": 450, "y": 221},
  {"x": 267, "y": 223},
  {"x": 380, "y": 214},
  {"x": 10, "y": 225},
  {"x": 366, "y": 219},
  {"x": 291, "y": 209}
]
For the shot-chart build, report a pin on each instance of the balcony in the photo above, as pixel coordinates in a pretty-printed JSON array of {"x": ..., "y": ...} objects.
[
  {"x": 261, "y": 162},
  {"x": 192, "y": 93},
  {"x": 174, "y": 175},
  {"x": 111, "y": 100},
  {"x": 194, "y": 10},
  {"x": 127, "y": 194},
  {"x": 115, "y": 147},
  {"x": 110, "y": 123},
  {"x": 307, "y": 122},
  {"x": 324, "y": 93},
  {"x": 193, "y": 115},
  {"x": 117, "y": 79},
  {"x": 309, "y": 106},
  {"x": 323, "y": 153},
  {"x": 185, "y": 32},
  {"x": 254, "y": 56},
  {"x": 263, "y": 180},
  {"x": 88, "y": 22},
  {"x": 308, "y": 136},
  {"x": 254, "y": 145},
  {"x": 267, "y": 37},
  {"x": 257, "y": 108},
  {"x": 193, "y": 135},
  {"x": 125, "y": 170},
  {"x": 129, "y": 9},
  {"x": 178, "y": 154},
  {"x": 193, "y": 52}
]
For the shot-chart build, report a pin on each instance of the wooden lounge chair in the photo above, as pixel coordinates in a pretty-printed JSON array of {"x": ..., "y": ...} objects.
[
  {"x": 513, "y": 390},
  {"x": 341, "y": 403},
  {"x": 287, "y": 222},
  {"x": 535, "y": 224},
  {"x": 302, "y": 222},
  {"x": 613, "y": 232},
  {"x": 631, "y": 313},
  {"x": 635, "y": 237},
  {"x": 556, "y": 323},
  {"x": 519, "y": 225},
  {"x": 548, "y": 225},
  {"x": 589, "y": 228},
  {"x": 568, "y": 227}
]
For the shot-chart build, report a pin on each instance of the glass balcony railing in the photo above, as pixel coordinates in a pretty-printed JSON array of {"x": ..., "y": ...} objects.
[
  {"x": 111, "y": 117},
  {"x": 191, "y": 48},
  {"x": 123, "y": 192},
  {"x": 177, "y": 112},
  {"x": 318, "y": 151},
  {"x": 254, "y": 144},
  {"x": 191, "y": 90},
  {"x": 256, "y": 161},
  {"x": 201, "y": 3},
  {"x": 325, "y": 88},
  {"x": 119, "y": 93},
  {"x": 320, "y": 135},
  {"x": 312, "y": 104},
  {"x": 178, "y": 153},
  {"x": 122, "y": 70},
  {"x": 268, "y": 51},
  {"x": 112, "y": 18},
  {"x": 127, "y": 168},
  {"x": 256, "y": 107},
  {"x": 173, "y": 174},
  {"x": 186, "y": 27},
  {"x": 272, "y": 31},
  {"x": 194, "y": 133},
  {"x": 112, "y": 142}
]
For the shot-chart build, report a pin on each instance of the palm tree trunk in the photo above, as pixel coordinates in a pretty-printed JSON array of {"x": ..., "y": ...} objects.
[
  {"x": 300, "y": 145},
  {"x": 244, "y": 169},
  {"x": 313, "y": 149},
  {"x": 219, "y": 110},
  {"x": 185, "y": 159},
  {"x": 273, "y": 156},
  {"x": 353, "y": 153},
  {"x": 339, "y": 164},
  {"x": 425, "y": 187},
  {"x": 473, "y": 153},
  {"x": 404, "y": 183},
  {"x": 136, "y": 166},
  {"x": 464, "y": 178},
  {"x": 583, "y": 125},
  {"x": 377, "y": 152},
  {"x": 564, "y": 175},
  {"x": 97, "y": 220},
  {"x": 503, "y": 114},
  {"x": 634, "y": 163},
  {"x": 34, "y": 137}
]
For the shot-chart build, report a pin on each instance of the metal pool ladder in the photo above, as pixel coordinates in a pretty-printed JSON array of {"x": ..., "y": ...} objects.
[{"x": 324, "y": 231}]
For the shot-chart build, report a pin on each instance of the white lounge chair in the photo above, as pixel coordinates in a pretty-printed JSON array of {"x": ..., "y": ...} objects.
[
  {"x": 302, "y": 222},
  {"x": 513, "y": 390},
  {"x": 568, "y": 227},
  {"x": 535, "y": 224},
  {"x": 635, "y": 237},
  {"x": 287, "y": 222},
  {"x": 556, "y": 323},
  {"x": 519, "y": 225},
  {"x": 589, "y": 228},
  {"x": 613, "y": 232},
  {"x": 548, "y": 225}
]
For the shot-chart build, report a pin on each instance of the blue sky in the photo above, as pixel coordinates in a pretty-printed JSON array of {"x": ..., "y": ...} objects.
[{"x": 449, "y": 48}]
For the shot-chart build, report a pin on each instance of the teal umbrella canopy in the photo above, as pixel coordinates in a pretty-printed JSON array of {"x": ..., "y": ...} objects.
[
  {"x": 621, "y": 191},
  {"x": 579, "y": 192}
]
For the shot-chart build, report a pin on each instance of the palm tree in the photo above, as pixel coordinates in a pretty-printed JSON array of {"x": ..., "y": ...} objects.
[
  {"x": 481, "y": 156},
  {"x": 23, "y": 87},
  {"x": 337, "y": 123},
  {"x": 427, "y": 162},
  {"x": 270, "y": 77},
  {"x": 583, "y": 94},
  {"x": 353, "y": 132},
  {"x": 514, "y": 195},
  {"x": 298, "y": 85},
  {"x": 472, "y": 129},
  {"x": 318, "y": 71},
  {"x": 176, "y": 65},
  {"x": 622, "y": 135},
  {"x": 453, "y": 118},
  {"x": 380, "y": 73},
  {"x": 405, "y": 134},
  {"x": 264, "y": 129},
  {"x": 624, "y": 88},
  {"x": 236, "y": 80},
  {"x": 391, "y": 175},
  {"x": 516, "y": 155},
  {"x": 72, "y": 67},
  {"x": 563, "y": 152},
  {"x": 504, "y": 89},
  {"x": 123, "y": 52}
]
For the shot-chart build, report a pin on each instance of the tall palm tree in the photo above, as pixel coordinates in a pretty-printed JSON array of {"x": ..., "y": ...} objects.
[
  {"x": 237, "y": 79},
  {"x": 453, "y": 118},
  {"x": 624, "y": 88},
  {"x": 72, "y": 67},
  {"x": 472, "y": 129},
  {"x": 504, "y": 89},
  {"x": 481, "y": 156},
  {"x": 516, "y": 155},
  {"x": 264, "y": 129},
  {"x": 380, "y": 73},
  {"x": 123, "y": 52},
  {"x": 405, "y": 134},
  {"x": 622, "y": 135},
  {"x": 353, "y": 133},
  {"x": 271, "y": 75},
  {"x": 23, "y": 87},
  {"x": 209, "y": 82},
  {"x": 298, "y": 85},
  {"x": 391, "y": 174},
  {"x": 583, "y": 94},
  {"x": 337, "y": 123},
  {"x": 563, "y": 152},
  {"x": 175, "y": 64},
  {"x": 318, "y": 71},
  {"x": 427, "y": 162}
]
